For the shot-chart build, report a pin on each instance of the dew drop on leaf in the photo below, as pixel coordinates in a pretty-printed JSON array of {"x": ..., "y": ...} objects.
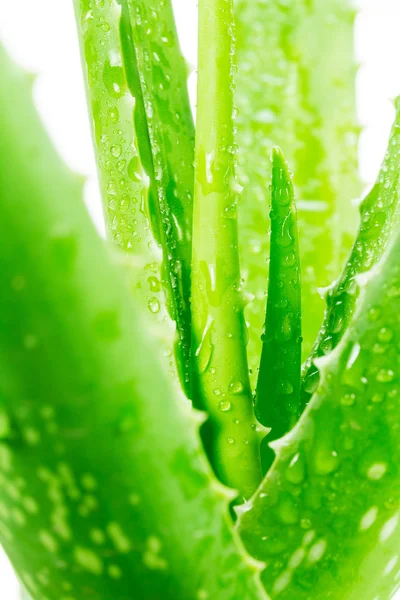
[
  {"x": 385, "y": 376},
  {"x": 116, "y": 151},
  {"x": 288, "y": 512},
  {"x": 325, "y": 461},
  {"x": 236, "y": 387},
  {"x": 285, "y": 388},
  {"x": 134, "y": 169},
  {"x": 154, "y": 305},
  {"x": 225, "y": 406},
  {"x": 348, "y": 399},
  {"x": 295, "y": 471}
]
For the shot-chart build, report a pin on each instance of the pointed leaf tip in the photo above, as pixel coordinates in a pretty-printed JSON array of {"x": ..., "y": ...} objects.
[{"x": 278, "y": 386}]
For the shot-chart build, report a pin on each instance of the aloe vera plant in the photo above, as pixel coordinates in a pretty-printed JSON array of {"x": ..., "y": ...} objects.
[{"x": 121, "y": 480}]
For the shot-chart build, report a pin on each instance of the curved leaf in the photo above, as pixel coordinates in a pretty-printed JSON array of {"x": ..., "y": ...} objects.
[
  {"x": 380, "y": 213},
  {"x": 219, "y": 346},
  {"x": 142, "y": 121},
  {"x": 106, "y": 492}
]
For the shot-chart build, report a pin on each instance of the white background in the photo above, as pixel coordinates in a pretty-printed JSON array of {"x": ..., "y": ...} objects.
[{"x": 41, "y": 36}]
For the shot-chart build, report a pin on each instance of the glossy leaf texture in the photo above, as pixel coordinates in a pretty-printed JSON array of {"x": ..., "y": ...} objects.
[
  {"x": 277, "y": 403},
  {"x": 144, "y": 139},
  {"x": 106, "y": 492},
  {"x": 219, "y": 337},
  {"x": 295, "y": 89},
  {"x": 379, "y": 212},
  {"x": 327, "y": 518}
]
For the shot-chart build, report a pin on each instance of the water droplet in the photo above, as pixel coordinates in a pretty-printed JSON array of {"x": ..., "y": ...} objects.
[
  {"x": 295, "y": 472},
  {"x": 285, "y": 333},
  {"x": 225, "y": 406},
  {"x": 325, "y": 461},
  {"x": 378, "y": 398},
  {"x": 113, "y": 115},
  {"x": 236, "y": 387},
  {"x": 305, "y": 523},
  {"x": 385, "y": 334},
  {"x": 134, "y": 170},
  {"x": 385, "y": 376},
  {"x": 327, "y": 344},
  {"x": 205, "y": 349},
  {"x": 287, "y": 510},
  {"x": 154, "y": 284},
  {"x": 230, "y": 441},
  {"x": 311, "y": 382},
  {"x": 285, "y": 388},
  {"x": 154, "y": 305},
  {"x": 116, "y": 151},
  {"x": 374, "y": 314},
  {"x": 114, "y": 81},
  {"x": 348, "y": 399}
]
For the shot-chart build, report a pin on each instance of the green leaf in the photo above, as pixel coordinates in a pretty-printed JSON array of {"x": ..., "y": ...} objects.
[
  {"x": 278, "y": 387},
  {"x": 219, "y": 344},
  {"x": 380, "y": 213},
  {"x": 105, "y": 488},
  {"x": 142, "y": 121},
  {"x": 326, "y": 518},
  {"x": 295, "y": 89}
]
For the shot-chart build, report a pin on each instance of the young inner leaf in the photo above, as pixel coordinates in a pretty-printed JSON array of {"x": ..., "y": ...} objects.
[
  {"x": 278, "y": 386},
  {"x": 295, "y": 89},
  {"x": 219, "y": 336}
]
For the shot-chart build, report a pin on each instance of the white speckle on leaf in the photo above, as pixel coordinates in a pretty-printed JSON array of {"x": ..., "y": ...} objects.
[
  {"x": 282, "y": 582},
  {"x": 368, "y": 519},
  {"x": 389, "y": 528},
  {"x": 317, "y": 551}
]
